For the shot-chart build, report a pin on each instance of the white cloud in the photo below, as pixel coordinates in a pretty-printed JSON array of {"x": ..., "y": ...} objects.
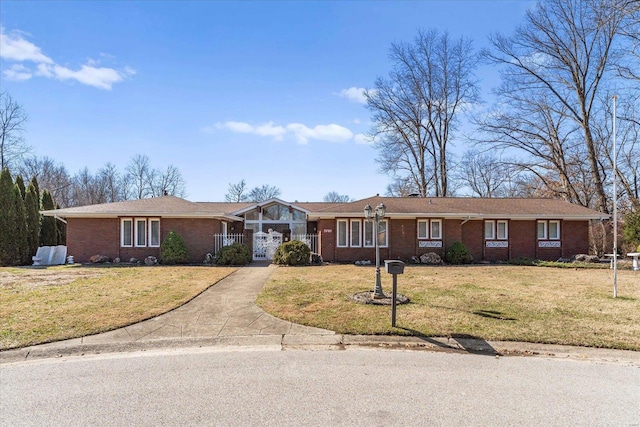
[
  {"x": 354, "y": 94},
  {"x": 17, "y": 72},
  {"x": 330, "y": 133},
  {"x": 100, "y": 77},
  {"x": 14, "y": 48},
  {"x": 300, "y": 132}
]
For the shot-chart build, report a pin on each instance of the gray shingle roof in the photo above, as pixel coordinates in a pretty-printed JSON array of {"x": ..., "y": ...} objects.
[{"x": 171, "y": 206}]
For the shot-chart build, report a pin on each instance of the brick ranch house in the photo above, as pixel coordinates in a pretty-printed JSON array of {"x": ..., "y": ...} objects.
[{"x": 492, "y": 229}]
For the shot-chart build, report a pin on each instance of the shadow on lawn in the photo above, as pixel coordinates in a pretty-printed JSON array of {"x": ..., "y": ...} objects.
[
  {"x": 490, "y": 314},
  {"x": 467, "y": 343}
]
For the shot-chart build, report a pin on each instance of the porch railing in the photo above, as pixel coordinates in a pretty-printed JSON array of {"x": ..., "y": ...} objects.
[
  {"x": 310, "y": 239},
  {"x": 221, "y": 240}
]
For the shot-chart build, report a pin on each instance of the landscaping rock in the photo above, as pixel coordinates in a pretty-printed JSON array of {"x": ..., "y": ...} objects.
[
  {"x": 365, "y": 262},
  {"x": 585, "y": 258},
  {"x": 133, "y": 260},
  {"x": 415, "y": 260},
  {"x": 99, "y": 259},
  {"x": 316, "y": 259},
  {"x": 430, "y": 258},
  {"x": 116, "y": 260},
  {"x": 208, "y": 259},
  {"x": 150, "y": 260}
]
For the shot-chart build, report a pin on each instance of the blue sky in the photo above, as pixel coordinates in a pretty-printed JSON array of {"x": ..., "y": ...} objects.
[{"x": 269, "y": 92}]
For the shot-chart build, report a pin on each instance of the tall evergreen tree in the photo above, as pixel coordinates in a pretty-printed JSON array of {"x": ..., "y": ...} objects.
[
  {"x": 20, "y": 184},
  {"x": 32, "y": 207},
  {"x": 48, "y": 231},
  {"x": 7, "y": 219},
  {"x": 21, "y": 246},
  {"x": 34, "y": 181}
]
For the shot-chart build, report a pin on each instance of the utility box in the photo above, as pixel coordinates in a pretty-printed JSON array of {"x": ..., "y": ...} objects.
[{"x": 393, "y": 266}]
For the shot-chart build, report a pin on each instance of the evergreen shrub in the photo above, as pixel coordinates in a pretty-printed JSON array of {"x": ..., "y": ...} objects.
[
  {"x": 235, "y": 254},
  {"x": 458, "y": 254},
  {"x": 173, "y": 250},
  {"x": 294, "y": 252}
]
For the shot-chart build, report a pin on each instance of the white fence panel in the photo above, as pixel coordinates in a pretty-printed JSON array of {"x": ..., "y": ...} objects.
[
  {"x": 310, "y": 240},
  {"x": 221, "y": 240}
]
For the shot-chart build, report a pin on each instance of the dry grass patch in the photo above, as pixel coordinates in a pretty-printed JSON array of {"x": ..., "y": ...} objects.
[
  {"x": 40, "y": 305},
  {"x": 510, "y": 303}
]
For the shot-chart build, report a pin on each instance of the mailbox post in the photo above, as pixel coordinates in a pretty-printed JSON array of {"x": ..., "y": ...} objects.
[{"x": 394, "y": 267}]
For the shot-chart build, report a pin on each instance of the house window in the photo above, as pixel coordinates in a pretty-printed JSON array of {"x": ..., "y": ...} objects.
[
  {"x": 489, "y": 230},
  {"x": 154, "y": 232},
  {"x": 126, "y": 232},
  {"x": 502, "y": 230},
  {"x": 356, "y": 233},
  {"x": 542, "y": 230},
  {"x": 430, "y": 229},
  {"x": 368, "y": 234},
  {"x": 496, "y": 230},
  {"x": 422, "y": 229},
  {"x": 554, "y": 230},
  {"x": 342, "y": 233},
  {"x": 383, "y": 235},
  {"x": 141, "y": 232},
  {"x": 436, "y": 229}
]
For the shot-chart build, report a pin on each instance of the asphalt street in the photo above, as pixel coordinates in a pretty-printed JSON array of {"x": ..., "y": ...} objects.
[{"x": 357, "y": 387}]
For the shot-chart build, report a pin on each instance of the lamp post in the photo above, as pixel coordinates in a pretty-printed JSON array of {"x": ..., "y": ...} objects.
[{"x": 377, "y": 216}]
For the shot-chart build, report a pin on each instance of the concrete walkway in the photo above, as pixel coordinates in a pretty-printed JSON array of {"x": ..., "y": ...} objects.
[
  {"x": 224, "y": 314},
  {"x": 225, "y": 309}
]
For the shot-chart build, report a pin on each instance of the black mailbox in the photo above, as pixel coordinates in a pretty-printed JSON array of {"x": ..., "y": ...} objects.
[{"x": 393, "y": 266}]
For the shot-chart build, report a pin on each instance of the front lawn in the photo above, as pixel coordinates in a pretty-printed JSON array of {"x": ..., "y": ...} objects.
[
  {"x": 48, "y": 304},
  {"x": 506, "y": 303}
]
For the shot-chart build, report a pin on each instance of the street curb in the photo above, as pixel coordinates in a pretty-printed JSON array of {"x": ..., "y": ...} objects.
[{"x": 289, "y": 342}]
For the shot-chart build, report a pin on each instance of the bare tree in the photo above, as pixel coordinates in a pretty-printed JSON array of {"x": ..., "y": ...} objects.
[
  {"x": 139, "y": 172},
  {"x": 236, "y": 192},
  {"x": 415, "y": 111},
  {"x": 553, "y": 69},
  {"x": 88, "y": 189},
  {"x": 111, "y": 181},
  {"x": 51, "y": 176},
  {"x": 167, "y": 182},
  {"x": 402, "y": 187},
  {"x": 12, "y": 120},
  {"x": 265, "y": 192},
  {"x": 334, "y": 197},
  {"x": 486, "y": 175}
]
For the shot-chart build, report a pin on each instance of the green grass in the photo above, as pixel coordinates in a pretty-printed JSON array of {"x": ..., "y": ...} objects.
[{"x": 509, "y": 303}]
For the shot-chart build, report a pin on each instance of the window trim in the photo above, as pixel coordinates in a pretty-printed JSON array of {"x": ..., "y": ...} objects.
[
  {"x": 122, "y": 232},
  {"x": 346, "y": 231},
  {"x": 386, "y": 233},
  {"x": 150, "y": 235},
  {"x": 426, "y": 229},
  {"x": 136, "y": 234},
  {"x": 370, "y": 223},
  {"x": 545, "y": 230},
  {"x": 557, "y": 237},
  {"x": 506, "y": 229},
  {"x": 493, "y": 229},
  {"x": 438, "y": 221},
  {"x": 351, "y": 223}
]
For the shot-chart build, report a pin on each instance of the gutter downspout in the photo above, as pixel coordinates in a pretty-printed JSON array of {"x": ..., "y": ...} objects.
[
  {"x": 59, "y": 219},
  {"x": 465, "y": 221}
]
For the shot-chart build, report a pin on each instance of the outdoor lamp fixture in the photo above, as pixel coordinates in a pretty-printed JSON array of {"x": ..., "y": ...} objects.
[{"x": 377, "y": 216}]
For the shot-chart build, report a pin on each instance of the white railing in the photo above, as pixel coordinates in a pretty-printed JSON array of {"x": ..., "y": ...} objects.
[
  {"x": 221, "y": 240},
  {"x": 311, "y": 240}
]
